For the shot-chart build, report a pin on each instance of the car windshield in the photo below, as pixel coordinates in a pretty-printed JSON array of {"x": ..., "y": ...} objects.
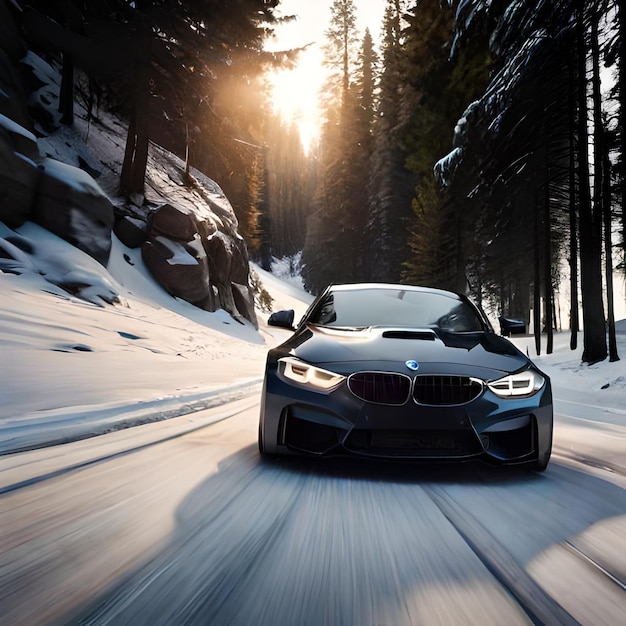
[{"x": 361, "y": 308}]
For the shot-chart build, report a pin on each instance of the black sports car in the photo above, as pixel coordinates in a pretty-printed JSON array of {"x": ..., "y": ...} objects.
[{"x": 402, "y": 372}]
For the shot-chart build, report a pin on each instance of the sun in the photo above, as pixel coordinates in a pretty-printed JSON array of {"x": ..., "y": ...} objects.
[
  {"x": 295, "y": 96},
  {"x": 295, "y": 93}
]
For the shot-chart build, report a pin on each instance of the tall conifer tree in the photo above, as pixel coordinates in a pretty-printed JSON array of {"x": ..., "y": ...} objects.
[
  {"x": 391, "y": 185},
  {"x": 331, "y": 250}
]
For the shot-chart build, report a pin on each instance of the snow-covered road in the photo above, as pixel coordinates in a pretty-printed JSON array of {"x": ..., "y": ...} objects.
[
  {"x": 178, "y": 520},
  {"x": 182, "y": 522}
]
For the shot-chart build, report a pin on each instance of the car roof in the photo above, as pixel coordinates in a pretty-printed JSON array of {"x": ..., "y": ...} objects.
[{"x": 391, "y": 286}]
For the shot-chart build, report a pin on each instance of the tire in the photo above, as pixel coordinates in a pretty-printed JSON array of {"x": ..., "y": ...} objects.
[
  {"x": 260, "y": 440},
  {"x": 540, "y": 465}
]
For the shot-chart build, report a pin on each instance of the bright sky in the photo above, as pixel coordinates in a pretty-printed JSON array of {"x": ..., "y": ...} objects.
[{"x": 296, "y": 92}]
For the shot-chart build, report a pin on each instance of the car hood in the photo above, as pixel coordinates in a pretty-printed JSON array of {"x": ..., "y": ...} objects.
[{"x": 481, "y": 354}]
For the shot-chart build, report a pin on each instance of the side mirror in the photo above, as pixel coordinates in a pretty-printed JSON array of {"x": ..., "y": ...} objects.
[
  {"x": 282, "y": 319},
  {"x": 511, "y": 327}
]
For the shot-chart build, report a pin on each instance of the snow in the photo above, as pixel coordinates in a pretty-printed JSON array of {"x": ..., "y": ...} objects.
[
  {"x": 45, "y": 254},
  {"x": 288, "y": 269},
  {"x": 116, "y": 352},
  {"x": 180, "y": 256},
  {"x": 125, "y": 352},
  {"x": 77, "y": 179},
  {"x": 14, "y": 128}
]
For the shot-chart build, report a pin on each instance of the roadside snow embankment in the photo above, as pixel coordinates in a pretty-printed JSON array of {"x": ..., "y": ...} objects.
[{"x": 72, "y": 367}]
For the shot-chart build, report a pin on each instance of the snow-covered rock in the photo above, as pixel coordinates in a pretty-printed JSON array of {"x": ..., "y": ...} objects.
[
  {"x": 70, "y": 204},
  {"x": 180, "y": 267},
  {"x": 18, "y": 172},
  {"x": 60, "y": 197}
]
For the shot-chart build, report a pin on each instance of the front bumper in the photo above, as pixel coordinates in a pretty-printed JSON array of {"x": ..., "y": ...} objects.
[{"x": 297, "y": 421}]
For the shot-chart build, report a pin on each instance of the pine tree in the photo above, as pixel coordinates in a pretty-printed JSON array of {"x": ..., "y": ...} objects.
[
  {"x": 334, "y": 231},
  {"x": 512, "y": 150},
  {"x": 441, "y": 100},
  {"x": 167, "y": 64},
  {"x": 290, "y": 186},
  {"x": 229, "y": 37},
  {"x": 391, "y": 185}
]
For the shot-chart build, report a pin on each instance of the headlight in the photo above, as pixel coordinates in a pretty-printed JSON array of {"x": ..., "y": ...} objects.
[
  {"x": 308, "y": 375},
  {"x": 525, "y": 383}
]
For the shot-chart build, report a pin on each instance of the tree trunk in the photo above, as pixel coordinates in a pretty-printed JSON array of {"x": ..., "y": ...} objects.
[
  {"x": 547, "y": 254},
  {"x": 129, "y": 153},
  {"x": 265, "y": 224},
  {"x": 66, "y": 94},
  {"x": 594, "y": 331},
  {"x": 608, "y": 257},
  {"x": 73, "y": 19},
  {"x": 187, "y": 174},
  {"x": 621, "y": 85},
  {"x": 136, "y": 152},
  {"x": 573, "y": 215},
  {"x": 537, "y": 285}
]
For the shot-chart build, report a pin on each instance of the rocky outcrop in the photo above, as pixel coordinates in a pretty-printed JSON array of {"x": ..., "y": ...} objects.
[
  {"x": 131, "y": 231},
  {"x": 174, "y": 254},
  {"x": 196, "y": 262},
  {"x": 12, "y": 49},
  {"x": 62, "y": 198},
  {"x": 187, "y": 232},
  {"x": 19, "y": 172},
  {"x": 70, "y": 204}
]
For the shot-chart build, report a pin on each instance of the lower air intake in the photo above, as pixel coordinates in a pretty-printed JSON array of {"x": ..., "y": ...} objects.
[{"x": 414, "y": 443}]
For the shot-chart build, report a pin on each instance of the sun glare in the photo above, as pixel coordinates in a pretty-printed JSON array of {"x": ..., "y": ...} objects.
[{"x": 295, "y": 95}]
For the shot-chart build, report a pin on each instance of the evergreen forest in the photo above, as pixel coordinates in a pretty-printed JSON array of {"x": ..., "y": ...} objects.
[{"x": 477, "y": 147}]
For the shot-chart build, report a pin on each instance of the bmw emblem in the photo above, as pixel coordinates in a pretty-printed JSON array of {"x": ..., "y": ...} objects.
[{"x": 412, "y": 365}]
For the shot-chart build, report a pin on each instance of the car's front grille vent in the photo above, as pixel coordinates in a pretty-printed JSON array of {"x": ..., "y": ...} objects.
[
  {"x": 380, "y": 387},
  {"x": 426, "y": 335},
  {"x": 445, "y": 390}
]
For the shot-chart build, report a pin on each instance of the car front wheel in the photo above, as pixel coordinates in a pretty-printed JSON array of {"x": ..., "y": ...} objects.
[
  {"x": 540, "y": 464},
  {"x": 261, "y": 446}
]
